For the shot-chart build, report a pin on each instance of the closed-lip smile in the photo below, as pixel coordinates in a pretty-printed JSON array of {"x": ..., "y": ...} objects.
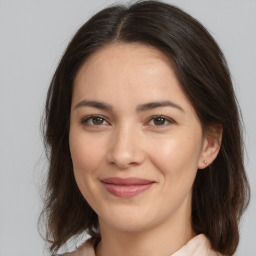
[{"x": 126, "y": 187}]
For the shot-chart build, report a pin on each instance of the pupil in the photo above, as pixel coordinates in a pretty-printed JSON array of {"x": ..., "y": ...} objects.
[
  {"x": 159, "y": 121},
  {"x": 97, "y": 120}
]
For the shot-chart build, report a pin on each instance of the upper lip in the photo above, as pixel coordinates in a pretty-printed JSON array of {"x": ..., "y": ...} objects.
[{"x": 126, "y": 181}]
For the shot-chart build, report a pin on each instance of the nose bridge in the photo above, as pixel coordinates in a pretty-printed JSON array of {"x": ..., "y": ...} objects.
[{"x": 126, "y": 148}]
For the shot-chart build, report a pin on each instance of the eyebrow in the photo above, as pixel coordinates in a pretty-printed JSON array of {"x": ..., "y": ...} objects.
[
  {"x": 158, "y": 104},
  {"x": 140, "y": 108},
  {"x": 94, "y": 104}
]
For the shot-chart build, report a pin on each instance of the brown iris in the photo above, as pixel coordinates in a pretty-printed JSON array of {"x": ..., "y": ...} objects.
[
  {"x": 159, "y": 120},
  {"x": 97, "y": 120}
]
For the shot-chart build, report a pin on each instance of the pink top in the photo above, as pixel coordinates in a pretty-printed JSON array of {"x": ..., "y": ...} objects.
[{"x": 197, "y": 246}]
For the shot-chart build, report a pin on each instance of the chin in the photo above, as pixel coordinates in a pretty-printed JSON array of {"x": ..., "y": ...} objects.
[
  {"x": 127, "y": 220},
  {"x": 128, "y": 225}
]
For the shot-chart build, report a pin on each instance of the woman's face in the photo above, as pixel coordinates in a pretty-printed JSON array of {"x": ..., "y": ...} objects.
[{"x": 135, "y": 140}]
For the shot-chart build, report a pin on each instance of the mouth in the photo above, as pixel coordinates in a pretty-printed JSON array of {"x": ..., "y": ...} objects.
[{"x": 126, "y": 187}]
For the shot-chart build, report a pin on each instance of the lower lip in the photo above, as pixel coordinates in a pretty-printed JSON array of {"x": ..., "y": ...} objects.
[{"x": 126, "y": 191}]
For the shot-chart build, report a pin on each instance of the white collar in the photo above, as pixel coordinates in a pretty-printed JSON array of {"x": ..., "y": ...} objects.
[{"x": 197, "y": 246}]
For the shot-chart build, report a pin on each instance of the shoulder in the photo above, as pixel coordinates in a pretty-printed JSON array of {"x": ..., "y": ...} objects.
[{"x": 87, "y": 249}]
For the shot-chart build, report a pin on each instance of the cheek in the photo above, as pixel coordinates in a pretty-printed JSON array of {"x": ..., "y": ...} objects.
[
  {"x": 177, "y": 164},
  {"x": 178, "y": 159},
  {"x": 86, "y": 155}
]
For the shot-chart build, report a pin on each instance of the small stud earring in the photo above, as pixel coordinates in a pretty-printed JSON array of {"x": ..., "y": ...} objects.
[{"x": 205, "y": 161}]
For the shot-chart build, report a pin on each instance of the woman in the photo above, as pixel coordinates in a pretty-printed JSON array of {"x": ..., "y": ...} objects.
[{"x": 144, "y": 139}]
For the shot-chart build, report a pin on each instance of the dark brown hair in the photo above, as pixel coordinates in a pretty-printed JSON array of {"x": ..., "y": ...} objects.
[{"x": 221, "y": 192}]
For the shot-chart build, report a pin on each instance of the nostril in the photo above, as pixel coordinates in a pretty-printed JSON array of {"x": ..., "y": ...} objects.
[
  {"x": 124, "y": 161},
  {"x": 125, "y": 149}
]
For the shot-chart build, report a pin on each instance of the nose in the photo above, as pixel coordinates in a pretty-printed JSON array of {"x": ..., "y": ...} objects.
[{"x": 126, "y": 148}]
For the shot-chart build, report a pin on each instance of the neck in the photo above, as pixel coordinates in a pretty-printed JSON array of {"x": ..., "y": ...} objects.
[{"x": 163, "y": 239}]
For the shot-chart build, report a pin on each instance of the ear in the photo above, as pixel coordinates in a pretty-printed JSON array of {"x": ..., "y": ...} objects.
[{"x": 211, "y": 145}]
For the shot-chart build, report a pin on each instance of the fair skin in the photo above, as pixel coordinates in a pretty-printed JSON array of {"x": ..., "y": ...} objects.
[{"x": 123, "y": 136}]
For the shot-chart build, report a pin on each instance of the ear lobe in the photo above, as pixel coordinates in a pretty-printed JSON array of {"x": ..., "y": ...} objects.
[{"x": 211, "y": 145}]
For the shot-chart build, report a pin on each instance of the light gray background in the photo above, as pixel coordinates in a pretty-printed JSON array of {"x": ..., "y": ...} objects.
[{"x": 33, "y": 35}]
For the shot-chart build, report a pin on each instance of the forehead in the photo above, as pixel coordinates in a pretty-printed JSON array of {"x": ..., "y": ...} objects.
[
  {"x": 124, "y": 57},
  {"x": 129, "y": 49},
  {"x": 125, "y": 73}
]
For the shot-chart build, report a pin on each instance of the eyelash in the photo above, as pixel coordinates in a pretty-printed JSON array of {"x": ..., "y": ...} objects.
[
  {"x": 166, "y": 119},
  {"x": 86, "y": 120}
]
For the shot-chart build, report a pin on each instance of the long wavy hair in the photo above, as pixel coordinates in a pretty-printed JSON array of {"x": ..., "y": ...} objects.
[{"x": 221, "y": 192}]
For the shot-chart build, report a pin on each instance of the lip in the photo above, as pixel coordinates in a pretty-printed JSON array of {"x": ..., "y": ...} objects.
[{"x": 126, "y": 187}]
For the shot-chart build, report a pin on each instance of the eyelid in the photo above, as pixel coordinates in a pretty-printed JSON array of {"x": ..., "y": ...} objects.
[
  {"x": 168, "y": 119},
  {"x": 85, "y": 120}
]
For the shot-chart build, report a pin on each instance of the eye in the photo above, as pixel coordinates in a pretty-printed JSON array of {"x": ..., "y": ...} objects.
[
  {"x": 94, "y": 121},
  {"x": 160, "y": 121}
]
